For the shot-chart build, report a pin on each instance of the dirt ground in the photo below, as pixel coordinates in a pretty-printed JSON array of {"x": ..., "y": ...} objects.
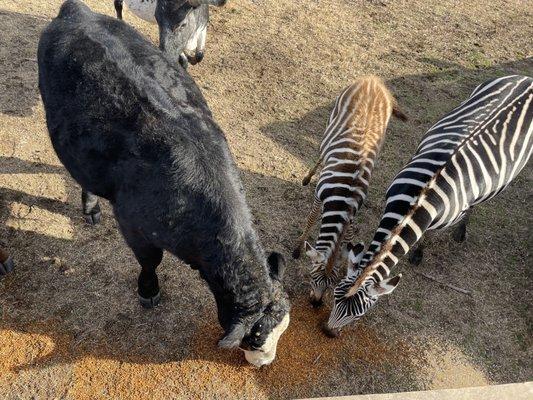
[{"x": 70, "y": 324}]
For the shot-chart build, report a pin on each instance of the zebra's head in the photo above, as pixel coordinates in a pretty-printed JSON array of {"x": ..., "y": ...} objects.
[
  {"x": 320, "y": 281},
  {"x": 353, "y": 297}
]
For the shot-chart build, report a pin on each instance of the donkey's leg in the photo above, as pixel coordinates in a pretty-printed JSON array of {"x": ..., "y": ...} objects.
[
  {"x": 118, "y": 8},
  {"x": 311, "y": 220},
  {"x": 91, "y": 207}
]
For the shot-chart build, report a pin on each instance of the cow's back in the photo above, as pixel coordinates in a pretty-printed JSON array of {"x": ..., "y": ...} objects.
[{"x": 110, "y": 97}]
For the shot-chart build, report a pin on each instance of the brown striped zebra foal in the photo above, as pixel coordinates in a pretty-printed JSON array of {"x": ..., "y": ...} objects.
[{"x": 349, "y": 148}]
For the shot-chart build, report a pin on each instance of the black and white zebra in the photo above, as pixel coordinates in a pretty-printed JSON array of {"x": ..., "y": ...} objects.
[
  {"x": 350, "y": 146},
  {"x": 467, "y": 157}
]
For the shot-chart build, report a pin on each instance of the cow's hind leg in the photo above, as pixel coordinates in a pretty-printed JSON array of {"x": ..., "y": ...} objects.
[
  {"x": 6, "y": 263},
  {"x": 91, "y": 208},
  {"x": 118, "y": 8}
]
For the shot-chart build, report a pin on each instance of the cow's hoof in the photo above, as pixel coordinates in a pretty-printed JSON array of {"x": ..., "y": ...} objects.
[
  {"x": 7, "y": 266},
  {"x": 150, "y": 302},
  {"x": 93, "y": 219}
]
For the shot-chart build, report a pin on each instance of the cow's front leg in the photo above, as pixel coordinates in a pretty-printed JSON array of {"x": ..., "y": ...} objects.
[
  {"x": 91, "y": 208},
  {"x": 6, "y": 263},
  {"x": 148, "y": 285}
]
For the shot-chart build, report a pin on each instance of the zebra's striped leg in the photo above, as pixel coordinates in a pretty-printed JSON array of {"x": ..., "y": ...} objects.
[
  {"x": 459, "y": 233},
  {"x": 311, "y": 172},
  {"x": 311, "y": 220}
]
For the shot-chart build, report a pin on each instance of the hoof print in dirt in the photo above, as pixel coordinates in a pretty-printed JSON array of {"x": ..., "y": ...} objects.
[
  {"x": 7, "y": 266},
  {"x": 93, "y": 219},
  {"x": 150, "y": 302}
]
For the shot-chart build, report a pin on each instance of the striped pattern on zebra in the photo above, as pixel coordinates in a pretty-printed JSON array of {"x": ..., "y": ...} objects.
[
  {"x": 351, "y": 143},
  {"x": 467, "y": 157}
]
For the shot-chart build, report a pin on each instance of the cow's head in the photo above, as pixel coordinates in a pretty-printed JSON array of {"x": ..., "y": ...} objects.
[
  {"x": 183, "y": 27},
  {"x": 257, "y": 333}
]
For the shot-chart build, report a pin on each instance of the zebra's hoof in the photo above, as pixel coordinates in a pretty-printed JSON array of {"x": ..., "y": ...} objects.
[
  {"x": 459, "y": 235},
  {"x": 150, "y": 302},
  {"x": 7, "y": 266},
  {"x": 93, "y": 218}
]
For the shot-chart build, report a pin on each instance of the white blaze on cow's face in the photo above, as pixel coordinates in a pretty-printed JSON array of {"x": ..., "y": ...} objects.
[{"x": 267, "y": 352}]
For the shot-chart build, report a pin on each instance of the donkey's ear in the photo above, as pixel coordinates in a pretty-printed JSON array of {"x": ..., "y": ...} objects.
[
  {"x": 386, "y": 286},
  {"x": 276, "y": 264},
  {"x": 233, "y": 338}
]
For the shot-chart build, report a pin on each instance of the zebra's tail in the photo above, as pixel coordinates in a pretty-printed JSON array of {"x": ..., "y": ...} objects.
[
  {"x": 311, "y": 173},
  {"x": 398, "y": 113}
]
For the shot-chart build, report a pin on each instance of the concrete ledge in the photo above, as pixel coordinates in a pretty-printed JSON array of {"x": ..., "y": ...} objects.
[{"x": 514, "y": 391}]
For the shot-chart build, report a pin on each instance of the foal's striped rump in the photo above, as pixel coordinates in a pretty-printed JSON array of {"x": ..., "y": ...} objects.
[{"x": 351, "y": 143}]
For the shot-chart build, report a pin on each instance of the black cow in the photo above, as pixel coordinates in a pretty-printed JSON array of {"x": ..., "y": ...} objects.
[
  {"x": 182, "y": 24},
  {"x": 132, "y": 127}
]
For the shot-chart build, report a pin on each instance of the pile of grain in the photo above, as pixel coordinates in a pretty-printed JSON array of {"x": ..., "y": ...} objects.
[
  {"x": 305, "y": 359},
  {"x": 305, "y": 354}
]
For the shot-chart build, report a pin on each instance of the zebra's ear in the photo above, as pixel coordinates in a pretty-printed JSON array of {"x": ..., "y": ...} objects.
[
  {"x": 311, "y": 252},
  {"x": 386, "y": 286}
]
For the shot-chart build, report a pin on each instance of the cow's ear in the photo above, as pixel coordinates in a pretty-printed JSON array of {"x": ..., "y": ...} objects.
[
  {"x": 232, "y": 339},
  {"x": 276, "y": 265}
]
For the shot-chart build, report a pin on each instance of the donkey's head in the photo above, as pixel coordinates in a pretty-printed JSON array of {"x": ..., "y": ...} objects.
[{"x": 356, "y": 294}]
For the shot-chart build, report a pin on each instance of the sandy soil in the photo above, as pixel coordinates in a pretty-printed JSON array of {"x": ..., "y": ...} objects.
[{"x": 70, "y": 324}]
